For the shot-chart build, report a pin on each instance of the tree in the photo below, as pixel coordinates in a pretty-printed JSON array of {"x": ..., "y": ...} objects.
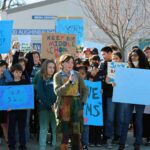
[
  {"x": 123, "y": 21},
  {"x": 5, "y": 4}
]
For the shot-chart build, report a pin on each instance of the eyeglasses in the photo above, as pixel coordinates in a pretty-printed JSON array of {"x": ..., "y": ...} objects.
[{"x": 134, "y": 55}]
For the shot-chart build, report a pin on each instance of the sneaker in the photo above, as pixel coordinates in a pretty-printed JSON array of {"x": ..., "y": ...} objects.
[
  {"x": 92, "y": 145},
  {"x": 85, "y": 147},
  {"x": 121, "y": 147},
  {"x": 136, "y": 147},
  {"x": 147, "y": 143},
  {"x": 109, "y": 144},
  {"x": 69, "y": 143},
  {"x": 98, "y": 145}
]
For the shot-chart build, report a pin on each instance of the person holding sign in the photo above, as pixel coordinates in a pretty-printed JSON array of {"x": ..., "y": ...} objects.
[
  {"x": 136, "y": 59},
  {"x": 115, "y": 118},
  {"x": 69, "y": 105},
  {"x": 46, "y": 99},
  {"x": 5, "y": 77},
  {"x": 17, "y": 117},
  {"x": 95, "y": 74},
  {"x": 106, "y": 53}
]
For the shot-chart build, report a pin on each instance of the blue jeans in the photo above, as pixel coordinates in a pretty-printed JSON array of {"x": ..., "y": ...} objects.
[
  {"x": 85, "y": 135},
  {"x": 110, "y": 107},
  {"x": 139, "y": 123},
  {"x": 120, "y": 116},
  {"x": 46, "y": 117},
  {"x": 110, "y": 116}
]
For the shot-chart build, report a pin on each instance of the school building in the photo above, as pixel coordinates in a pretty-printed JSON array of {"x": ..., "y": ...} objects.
[{"x": 33, "y": 19}]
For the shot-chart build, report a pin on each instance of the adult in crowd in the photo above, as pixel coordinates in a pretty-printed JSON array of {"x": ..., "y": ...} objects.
[{"x": 138, "y": 60}]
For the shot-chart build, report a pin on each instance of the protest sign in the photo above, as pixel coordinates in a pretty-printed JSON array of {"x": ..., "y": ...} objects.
[
  {"x": 112, "y": 69},
  {"x": 5, "y": 36},
  {"x": 71, "y": 26},
  {"x": 93, "y": 114},
  {"x": 54, "y": 45},
  {"x": 132, "y": 86},
  {"x": 25, "y": 43},
  {"x": 16, "y": 97}
]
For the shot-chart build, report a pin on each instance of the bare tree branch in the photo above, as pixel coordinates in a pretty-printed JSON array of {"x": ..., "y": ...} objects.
[
  {"x": 121, "y": 20},
  {"x": 5, "y": 4}
]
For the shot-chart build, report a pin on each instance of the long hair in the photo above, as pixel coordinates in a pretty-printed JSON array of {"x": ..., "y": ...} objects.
[
  {"x": 43, "y": 71},
  {"x": 143, "y": 61}
]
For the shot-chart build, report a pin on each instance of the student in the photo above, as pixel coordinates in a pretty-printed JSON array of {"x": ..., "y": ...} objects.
[
  {"x": 5, "y": 77},
  {"x": 87, "y": 53},
  {"x": 33, "y": 63},
  {"x": 136, "y": 59},
  {"x": 46, "y": 99},
  {"x": 32, "y": 67},
  {"x": 106, "y": 53},
  {"x": 78, "y": 63},
  {"x": 17, "y": 118},
  {"x": 115, "y": 118},
  {"x": 85, "y": 133},
  {"x": 19, "y": 58},
  {"x": 94, "y": 74},
  {"x": 146, "y": 117},
  {"x": 95, "y": 59},
  {"x": 68, "y": 86},
  {"x": 147, "y": 53}
]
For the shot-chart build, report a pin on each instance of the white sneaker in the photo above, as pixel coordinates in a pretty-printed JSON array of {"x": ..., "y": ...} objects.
[{"x": 109, "y": 144}]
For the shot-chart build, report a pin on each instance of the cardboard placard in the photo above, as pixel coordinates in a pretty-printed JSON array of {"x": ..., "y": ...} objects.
[{"x": 54, "y": 45}]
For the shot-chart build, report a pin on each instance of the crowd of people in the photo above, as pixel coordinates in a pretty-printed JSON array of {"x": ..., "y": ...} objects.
[{"x": 60, "y": 95}]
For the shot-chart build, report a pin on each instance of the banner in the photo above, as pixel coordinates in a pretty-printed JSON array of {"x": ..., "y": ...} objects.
[
  {"x": 93, "y": 114},
  {"x": 54, "y": 45},
  {"x": 16, "y": 97},
  {"x": 25, "y": 43},
  {"x": 132, "y": 86},
  {"x": 112, "y": 69},
  {"x": 71, "y": 26},
  {"x": 5, "y": 36}
]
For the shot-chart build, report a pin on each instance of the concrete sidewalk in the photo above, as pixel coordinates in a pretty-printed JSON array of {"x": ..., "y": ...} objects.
[{"x": 33, "y": 145}]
